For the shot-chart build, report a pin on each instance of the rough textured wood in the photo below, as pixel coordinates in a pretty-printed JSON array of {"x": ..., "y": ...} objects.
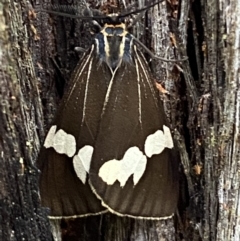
[
  {"x": 21, "y": 217},
  {"x": 227, "y": 100}
]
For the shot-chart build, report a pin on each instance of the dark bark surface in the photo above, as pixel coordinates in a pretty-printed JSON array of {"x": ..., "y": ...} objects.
[
  {"x": 203, "y": 105},
  {"x": 21, "y": 217}
]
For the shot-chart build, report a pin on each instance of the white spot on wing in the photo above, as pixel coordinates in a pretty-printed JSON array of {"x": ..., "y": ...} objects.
[
  {"x": 64, "y": 143},
  {"x": 82, "y": 161},
  {"x": 168, "y": 137},
  {"x": 133, "y": 162},
  {"x": 130, "y": 162},
  {"x": 140, "y": 169},
  {"x": 85, "y": 154},
  {"x": 109, "y": 171},
  {"x": 50, "y": 136},
  {"x": 79, "y": 169},
  {"x": 158, "y": 141}
]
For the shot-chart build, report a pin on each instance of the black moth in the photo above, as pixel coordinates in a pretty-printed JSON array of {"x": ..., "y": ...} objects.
[{"x": 110, "y": 147}]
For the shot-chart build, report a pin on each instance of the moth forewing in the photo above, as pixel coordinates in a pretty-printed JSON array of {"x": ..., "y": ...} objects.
[
  {"x": 128, "y": 181},
  {"x": 63, "y": 181},
  {"x": 111, "y": 132}
]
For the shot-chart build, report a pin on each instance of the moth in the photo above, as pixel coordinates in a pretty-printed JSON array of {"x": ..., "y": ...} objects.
[{"x": 110, "y": 147}]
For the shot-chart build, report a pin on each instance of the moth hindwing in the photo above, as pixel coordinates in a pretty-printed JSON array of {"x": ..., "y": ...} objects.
[{"x": 110, "y": 147}]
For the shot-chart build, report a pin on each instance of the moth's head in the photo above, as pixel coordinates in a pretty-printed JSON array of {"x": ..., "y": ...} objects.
[
  {"x": 113, "y": 21},
  {"x": 114, "y": 18},
  {"x": 113, "y": 42},
  {"x": 101, "y": 22}
]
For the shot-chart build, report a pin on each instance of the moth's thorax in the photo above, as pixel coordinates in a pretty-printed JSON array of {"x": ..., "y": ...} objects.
[{"x": 114, "y": 45}]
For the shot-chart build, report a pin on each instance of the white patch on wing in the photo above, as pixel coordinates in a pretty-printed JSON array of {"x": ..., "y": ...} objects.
[
  {"x": 85, "y": 154},
  {"x": 50, "y": 136},
  {"x": 133, "y": 162},
  {"x": 82, "y": 161},
  {"x": 62, "y": 142},
  {"x": 79, "y": 169},
  {"x": 168, "y": 137},
  {"x": 109, "y": 171},
  {"x": 140, "y": 169},
  {"x": 158, "y": 141},
  {"x": 130, "y": 163}
]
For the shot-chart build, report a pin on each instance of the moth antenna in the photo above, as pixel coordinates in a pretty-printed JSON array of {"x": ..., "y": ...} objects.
[
  {"x": 73, "y": 16},
  {"x": 140, "y": 15},
  {"x": 157, "y": 57},
  {"x": 62, "y": 14},
  {"x": 66, "y": 8}
]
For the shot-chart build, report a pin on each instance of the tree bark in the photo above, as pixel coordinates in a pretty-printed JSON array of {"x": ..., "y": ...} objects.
[
  {"x": 21, "y": 216},
  {"x": 202, "y": 103}
]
